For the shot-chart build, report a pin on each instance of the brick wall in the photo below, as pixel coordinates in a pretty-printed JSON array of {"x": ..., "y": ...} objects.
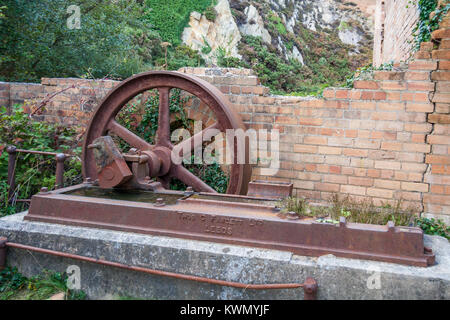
[
  {"x": 394, "y": 22},
  {"x": 16, "y": 93},
  {"x": 387, "y": 138}
]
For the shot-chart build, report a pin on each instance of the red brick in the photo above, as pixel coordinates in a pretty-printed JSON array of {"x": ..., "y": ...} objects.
[
  {"x": 422, "y": 55},
  {"x": 436, "y": 159},
  {"x": 440, "y": 75},
  {"x": 285, "y": 120},
  {"x": 417, "y": 147},
  {"x": 393, "y": 85},
  {"x": 417, "y": 75},
  {"x": 328, "y": 187},
  {"x": 393, "y": 95},
  {"x": 355, "y": 94},
  {"x": 363, "y": 84},
  {"x": 330, "y": 150},
  {"x": 384, "y": 116},
  {"x": 439, "y": 118},
  {"x": 341, "y": 94},
  {"x": 333, "y": 178},
  {"x": 373, "y": 173},
  {"x": 388, "y": 75},
  {"x": 311, "y": 121},
  {"x": 419, "y": 107},
  {"x": 353, "y": 190},
  {"x": 351, "y": 133},
  {"x": 444, "y": 65},
  {"x": 367, "y": 182},
  {"x": 421, "y": 86},
  {"x": 387, "y": 184},
  {"x": 381, "y": 193},
  {"x": 441, "y": 54},
  {"x": 438, "y": 139},
  {"x": 379, "y": 95},
  {"x": 305, "y": 148},
  {"x": 355, "y": 152},
  {"x": 422, "y": 65},
  {"x": 418, "y": 127},
  {"x": 411, "y": 186},
  {"x": 393, "y": 146},
  {"x": 315, "y": 140},
  {"x": 329, "y": 93},
  {"x": 363, "y": 105}
]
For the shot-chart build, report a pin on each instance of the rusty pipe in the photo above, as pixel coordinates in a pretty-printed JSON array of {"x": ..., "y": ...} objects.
[
  {"x": 2, "y": 253},
  {"x": 44, "y": 153},
  {"x": 309, "y": 284},
  {"x": 12, "y": 155},
  {"x": 60, "y": 158}
]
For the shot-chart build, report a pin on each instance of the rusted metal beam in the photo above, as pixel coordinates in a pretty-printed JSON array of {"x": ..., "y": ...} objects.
[{"x": 239, "y": 221}]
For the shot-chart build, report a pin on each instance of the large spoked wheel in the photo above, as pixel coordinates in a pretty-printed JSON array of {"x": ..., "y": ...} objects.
[{"x": 103, "y": 122}]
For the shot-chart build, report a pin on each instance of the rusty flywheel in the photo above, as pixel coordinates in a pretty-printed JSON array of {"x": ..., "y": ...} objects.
[{"x": 160, "y": 163}]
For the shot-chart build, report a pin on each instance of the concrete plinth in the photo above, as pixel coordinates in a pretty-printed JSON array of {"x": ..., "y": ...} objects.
[{"x": 338, "y": 278}]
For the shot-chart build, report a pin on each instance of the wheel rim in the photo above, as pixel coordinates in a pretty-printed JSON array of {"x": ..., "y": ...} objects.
[{"x": 103, "y": 121}]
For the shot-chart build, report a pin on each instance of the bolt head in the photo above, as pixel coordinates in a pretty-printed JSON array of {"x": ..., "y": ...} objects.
[
  {"x": 11, "y": 149},
  {"x": 160, "y": 202},
  {"x": 291, "y": 215},
  {"x": 44, "y": 190},
  {"x": 60, "y": 157},
  {"x": 88, "y": 180}
]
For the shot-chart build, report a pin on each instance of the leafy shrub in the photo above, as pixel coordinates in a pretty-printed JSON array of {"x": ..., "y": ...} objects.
[
  {"x": 169, "y": 18},
  {"x": 366, "y": 72},
  {"x": 210, "y": 13},
  {"x": 433, "y": 226},
  {"x": 34, "y": 171},
  {"x": 114, "y": 40},
  {"x": 367, "y": 212},
  {"x": 13, "y": 285}
]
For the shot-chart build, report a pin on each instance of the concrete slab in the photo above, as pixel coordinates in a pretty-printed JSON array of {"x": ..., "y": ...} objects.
[{"x": 338, "y": 278}]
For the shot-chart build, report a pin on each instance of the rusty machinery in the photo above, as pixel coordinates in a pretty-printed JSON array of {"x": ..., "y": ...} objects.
[{"x": 129, "y": 192}]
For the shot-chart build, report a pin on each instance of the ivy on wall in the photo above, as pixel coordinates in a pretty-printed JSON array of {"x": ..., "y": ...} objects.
[{"x": 428, "y": 23}]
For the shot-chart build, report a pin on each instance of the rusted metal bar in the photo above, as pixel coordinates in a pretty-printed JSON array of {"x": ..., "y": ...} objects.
[
  {"x": 60, "y": 158},
  {"x": 12, "y": 152},
  {"x": 2, "y": 253},
  {"x": 44, "y": 153},
  {"x": 310, "y": 286}
]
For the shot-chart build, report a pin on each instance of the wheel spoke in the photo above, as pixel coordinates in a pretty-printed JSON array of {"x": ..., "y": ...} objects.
[
  {"x": 194, "y": 141},
  {"x": 129, "y": 136},
  {"x": 163, "y": 132},
  {"x": 190, "y": 179}
]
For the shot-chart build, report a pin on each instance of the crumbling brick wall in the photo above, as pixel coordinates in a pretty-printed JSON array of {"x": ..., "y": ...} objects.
[{"x": 394, "y": 23}]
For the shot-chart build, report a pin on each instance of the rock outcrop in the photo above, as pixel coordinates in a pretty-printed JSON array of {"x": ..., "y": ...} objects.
[
  {"x": 209, "y": 37},
  {"x": 278, "y": 22}
]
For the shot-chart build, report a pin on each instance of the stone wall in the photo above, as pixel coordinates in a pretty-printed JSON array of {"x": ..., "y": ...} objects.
[
  {"x": 386, "y": 139},
  {"x": 394, "y": 23}
]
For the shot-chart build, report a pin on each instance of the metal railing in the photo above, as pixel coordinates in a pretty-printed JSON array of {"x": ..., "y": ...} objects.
[
  {"x": 12, "y": 160},
  {"x": 309, "y": 287}
]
